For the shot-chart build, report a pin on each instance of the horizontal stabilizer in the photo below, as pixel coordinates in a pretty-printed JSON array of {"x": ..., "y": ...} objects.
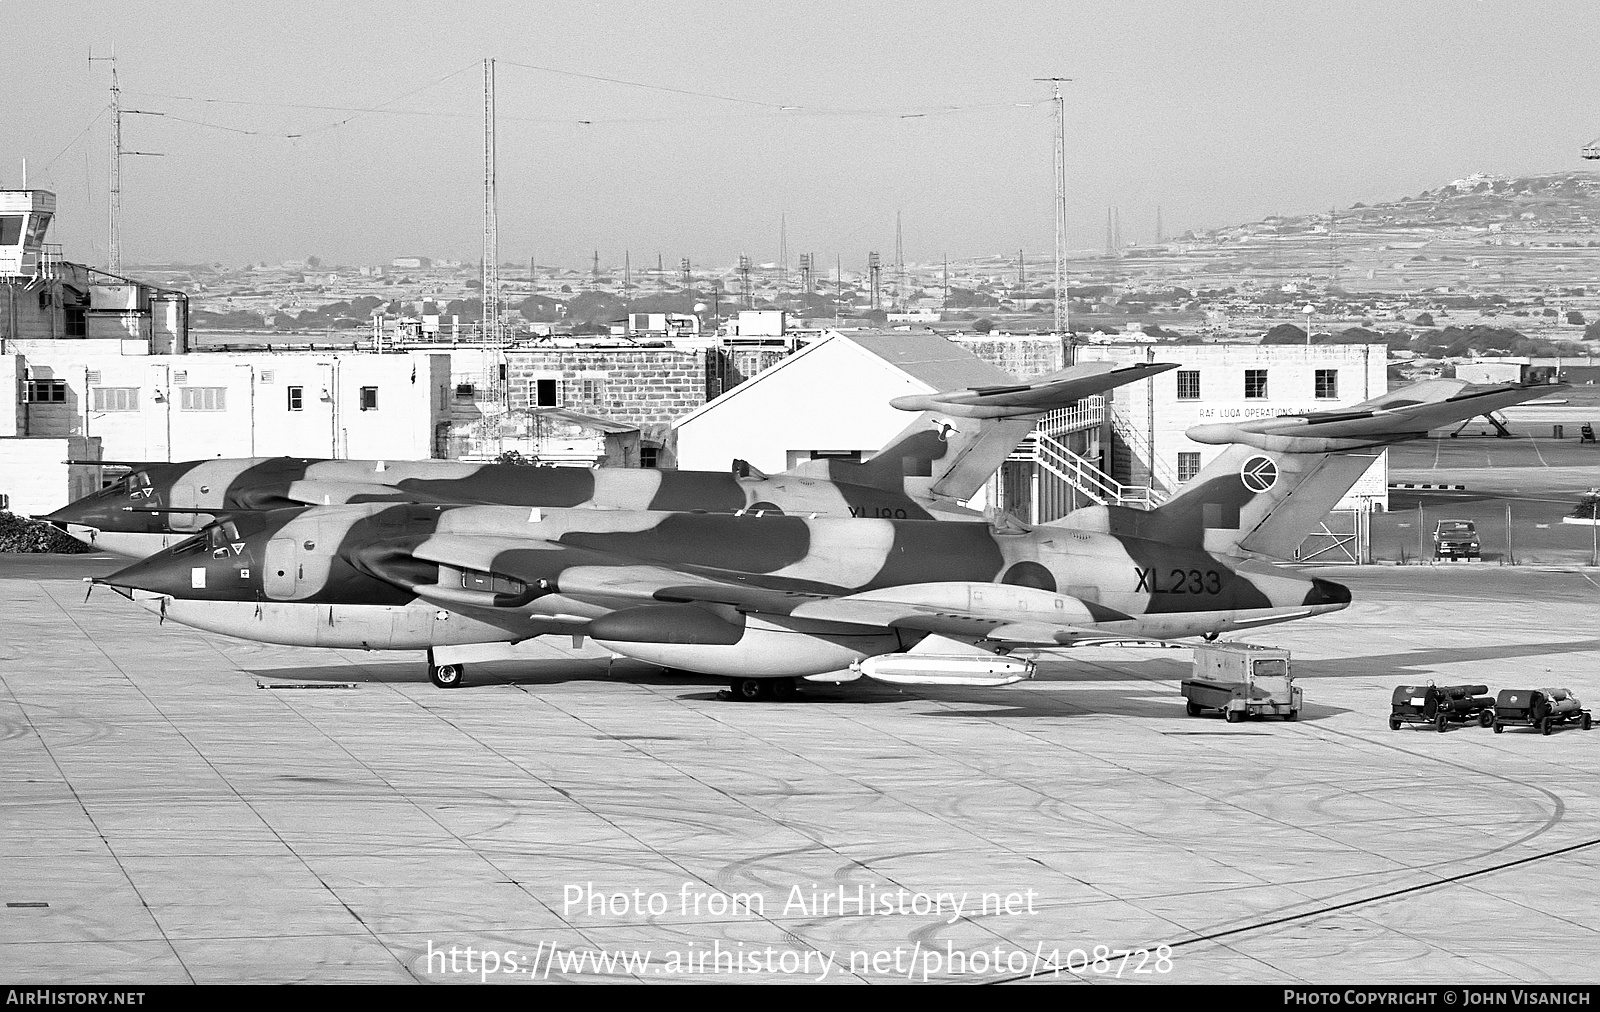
[{"x": 1047, "y": 393}]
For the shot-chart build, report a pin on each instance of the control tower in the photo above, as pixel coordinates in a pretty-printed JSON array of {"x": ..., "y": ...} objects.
[
  {"x": 46, "y": 298},
  {"x": 24, "y": 218}
]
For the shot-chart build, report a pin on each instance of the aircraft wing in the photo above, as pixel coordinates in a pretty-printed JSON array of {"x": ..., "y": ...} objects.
[
  {"x": 663, "y": 600},
  {"x": 1407, "y": 413},
  {"x": 331, "y": 493}
]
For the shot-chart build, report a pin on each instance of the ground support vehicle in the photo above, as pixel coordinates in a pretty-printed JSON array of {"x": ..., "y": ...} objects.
[
  {"x": 1545, "y": 709},
  {"x": 1242, "y": 680}
]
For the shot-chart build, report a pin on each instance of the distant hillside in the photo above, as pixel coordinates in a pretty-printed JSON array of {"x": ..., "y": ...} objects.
[{"x": 1477, "y": 201}]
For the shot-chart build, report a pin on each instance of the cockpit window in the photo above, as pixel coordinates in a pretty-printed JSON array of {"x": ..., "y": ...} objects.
[
  {"x": 189, "y": 545},
  {"x": 220, "y": 536}
]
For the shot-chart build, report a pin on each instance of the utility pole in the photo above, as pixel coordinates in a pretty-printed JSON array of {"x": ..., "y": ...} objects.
[
  {"x": 688, "y": 282},
  {"x": 783, "y": 258},
  {"x": 1060, "y": 320}
]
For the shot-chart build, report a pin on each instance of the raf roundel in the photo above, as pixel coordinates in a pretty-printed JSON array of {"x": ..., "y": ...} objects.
[{"x": 1259, "y": 474}]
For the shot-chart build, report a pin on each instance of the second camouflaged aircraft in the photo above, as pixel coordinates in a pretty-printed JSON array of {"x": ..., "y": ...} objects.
[
  {"x": 763, "y": 600},
  {"x": 943, "y": 457}
]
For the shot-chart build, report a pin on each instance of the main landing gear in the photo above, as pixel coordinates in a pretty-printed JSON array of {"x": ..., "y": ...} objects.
[
  {"x": 764, "y": 688},
  {"x": 446, "y": 676}
]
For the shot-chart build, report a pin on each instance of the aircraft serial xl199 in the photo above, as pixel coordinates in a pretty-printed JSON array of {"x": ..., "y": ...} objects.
[
  {"x": 763, "y": 600},
  {"x": 957, "y": 441}
]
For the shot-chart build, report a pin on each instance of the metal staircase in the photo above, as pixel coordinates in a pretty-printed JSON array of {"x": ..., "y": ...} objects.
[
  {"x": 1084, "y": 476},
  {"x": 1160, "y": 474}
]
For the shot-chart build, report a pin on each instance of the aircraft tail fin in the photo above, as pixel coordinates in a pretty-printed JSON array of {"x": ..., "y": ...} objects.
[
  {"x": 961, "y": 437},
  {"x": 1279, "y": 478},
  {"x": 1247, "y": 501}
]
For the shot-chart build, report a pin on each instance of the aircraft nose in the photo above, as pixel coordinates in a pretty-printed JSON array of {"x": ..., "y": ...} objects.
[
  {"x": 1326, "y": 592},
  {"x": 159, "y": 574}
]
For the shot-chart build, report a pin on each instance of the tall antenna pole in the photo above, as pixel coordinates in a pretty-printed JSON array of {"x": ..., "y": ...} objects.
[
  {"x": 899, "y": 260},
  {"x": 492, "y": 336},
  {"x": 114, "y": 205},
  {"x": 1060, "y": 320},
  {"x": 783, "y": 258}
]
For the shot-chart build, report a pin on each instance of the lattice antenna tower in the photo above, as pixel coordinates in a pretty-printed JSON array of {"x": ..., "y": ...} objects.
[
  {"x": 807, "y": 273},
  {"x": 114, "y": 198},
  {"x": 745, "y": 287},
  {"x": 783, "y": 256},
  {"x": 493, "y": 334},
  {"x": 899, "y": 259},
  {"x": 688, "y": 281},
  {"x": 1060, "y": 315}
]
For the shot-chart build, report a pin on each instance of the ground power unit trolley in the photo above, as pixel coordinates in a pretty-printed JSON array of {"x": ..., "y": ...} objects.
[
  {"x": 1545, "y": 709},
  {"x": 1441, "y": 706},
  {"x": 1242, "y": 680}
]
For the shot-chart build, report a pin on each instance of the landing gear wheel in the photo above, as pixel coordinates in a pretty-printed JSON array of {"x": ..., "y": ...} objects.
[
  {"x": 1394, "y": 723},
  {"x": 447, "y": 676},
  {"x": 1292, "y": 715},
  {"x": 750, "y": 688},
  {"x": 1191, "y": 708},
  {"x": 1486, "y": 718},
  {"x": 1585, "y": 723},
  {"x": 784, "y": 688},
  {"x": 1544, "y": 726},
  {"x": 1234, "y": 716},
  {"x": 1442, "y": 722}
]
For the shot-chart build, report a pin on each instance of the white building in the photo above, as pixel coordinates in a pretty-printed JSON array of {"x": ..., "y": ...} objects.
[
  {"x": 229, "y": 404},
  {"x": 831, "y": 400},
  {"x": 1145, "y": 426}
]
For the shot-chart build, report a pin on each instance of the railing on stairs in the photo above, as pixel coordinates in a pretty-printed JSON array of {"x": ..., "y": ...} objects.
[
  {"x": 1083, "y": 475},
  {"x": 1161, "y": 475}
]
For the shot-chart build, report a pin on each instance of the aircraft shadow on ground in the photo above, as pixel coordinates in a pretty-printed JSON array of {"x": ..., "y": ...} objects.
[
  {"x": 560, "y": 672},
  {"x": 1416, "y": 665},
  {"x": 1111, "y": 702}
]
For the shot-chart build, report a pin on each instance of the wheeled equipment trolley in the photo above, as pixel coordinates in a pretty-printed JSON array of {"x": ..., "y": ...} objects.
[
  {"x": 1441, "y": 706},
  {"x": 1545, "y": 709}
]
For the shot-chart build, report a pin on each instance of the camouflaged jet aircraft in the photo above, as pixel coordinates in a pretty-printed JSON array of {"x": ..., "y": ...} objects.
[
  {"x": 942, "y": 458},
  {"x": 766, "y": 600}
]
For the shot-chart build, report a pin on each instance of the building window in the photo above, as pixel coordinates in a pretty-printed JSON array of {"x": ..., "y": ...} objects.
[
  {"x": 465, "y": 391},
  {"x": 1327, "y": 383},
  {"x": 592, "y": 391},
  {"x": 205, "y": 399},
  {"x": 369, "y": 398},
  {"x": 1188, "y": 384},
  {"x": 1188, "y": 466},
  {"x": 297, "y": 398},
  {"x": 47, "y": 391},
  {"x": 1255, "y": 384},
  {"x": 649, "y": 456},
  {"x": 545, "y": 393},
  {"x": 268, "y": 376},
  {"x": 115, "y": 398}
]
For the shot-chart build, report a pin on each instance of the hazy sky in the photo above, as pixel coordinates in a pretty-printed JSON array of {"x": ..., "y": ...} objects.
[{"x": 836, "y": 115}]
